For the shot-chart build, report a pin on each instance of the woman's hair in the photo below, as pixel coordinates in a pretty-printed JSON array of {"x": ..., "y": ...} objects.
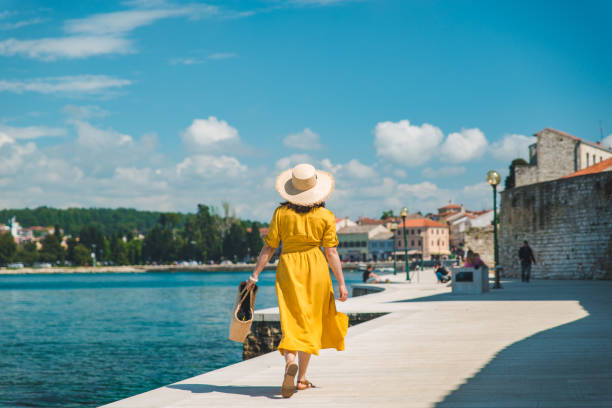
[{"x": 302, "y": 208}]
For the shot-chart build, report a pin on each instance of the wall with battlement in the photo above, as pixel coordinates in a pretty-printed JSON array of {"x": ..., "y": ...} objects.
[{"x": 568, "y": 223}]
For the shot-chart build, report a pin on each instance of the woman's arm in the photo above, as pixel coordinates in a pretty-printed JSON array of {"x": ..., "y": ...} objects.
[
  {"x": 334, "y": 262},
  {"x": 262, "y": 260}
]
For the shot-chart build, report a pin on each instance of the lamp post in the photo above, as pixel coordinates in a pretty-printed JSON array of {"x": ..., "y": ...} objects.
[
  {"x": 404, "y": 214},
  {"x": 393, "y": 228},
  {"x": 423, "y": 248},
  {"x": 494, "y": 179}
]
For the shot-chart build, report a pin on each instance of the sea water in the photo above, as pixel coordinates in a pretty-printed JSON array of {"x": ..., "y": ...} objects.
[{"x": 84, "y": 340}]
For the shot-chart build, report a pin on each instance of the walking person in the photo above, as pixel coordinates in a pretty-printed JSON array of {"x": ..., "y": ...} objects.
[
  {"x": 309, "y": 320},
  {"x": 526, "y": 257}
]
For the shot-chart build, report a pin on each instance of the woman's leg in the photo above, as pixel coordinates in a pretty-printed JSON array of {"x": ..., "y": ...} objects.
[
  {"x": 289, "y": 357},
  {"x": 303, "y": 360}
]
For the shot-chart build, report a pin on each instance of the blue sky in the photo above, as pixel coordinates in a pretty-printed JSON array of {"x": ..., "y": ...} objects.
[{"x": 162, "y": 105}]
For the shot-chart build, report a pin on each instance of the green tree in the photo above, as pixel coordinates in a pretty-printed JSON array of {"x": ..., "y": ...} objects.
[
  {"x": 254, "y": 241},
  {"x": 134, "y": 251},
  {"x": 235, "y": 242},
  {"x": 81, "y": 255},
  {"x": 119, "y": 251},
  {"x": 8, "y": 248},
  {"x": 509, "y": 182},
  {"x": 27, "y": 253},
  {"x": 52, "y": 250},
  {"x": 92, "y": 237},
  {"x": 386, "y": 214},
  {"x": 158, "y": 245},
  {"x": 72, "y": 242}
]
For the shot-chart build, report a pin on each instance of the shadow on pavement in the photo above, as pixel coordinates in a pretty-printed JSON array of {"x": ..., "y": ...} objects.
[
  {"x": 252, "y": 391},
  {"x": 566, "y": 366}
]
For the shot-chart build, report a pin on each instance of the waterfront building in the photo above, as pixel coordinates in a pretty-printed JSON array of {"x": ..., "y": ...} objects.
[
  {"x": 380, "y": 246},
  {"x": 354, "y": 241},
  {"x": 423, "y": 236},
  {"x": 557, "y": 154},
  {"x": 344, "y": 222}
]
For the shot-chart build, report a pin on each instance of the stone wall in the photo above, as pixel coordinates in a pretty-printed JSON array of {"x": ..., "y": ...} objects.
[
  {"x": 480, "y": 240},
  {"x": 568, "y": 223},
  {"x": 525, "y": 174}
]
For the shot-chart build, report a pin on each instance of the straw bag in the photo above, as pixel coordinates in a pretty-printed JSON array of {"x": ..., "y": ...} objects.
[{"x": 242, "y": 313}]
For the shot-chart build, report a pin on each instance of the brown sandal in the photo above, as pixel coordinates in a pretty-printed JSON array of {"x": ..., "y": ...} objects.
[
  {"x": 288, "y": 387},
  {"x": 306, "y": 385}
]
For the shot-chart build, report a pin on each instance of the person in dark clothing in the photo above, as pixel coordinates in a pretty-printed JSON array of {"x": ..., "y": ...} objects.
[
  {"x": 369, "y": 276},
  {"x": 442, "y": 274},
  {"x": 526, "y": 257}
]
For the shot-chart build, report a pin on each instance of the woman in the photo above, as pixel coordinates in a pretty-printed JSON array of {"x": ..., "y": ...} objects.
[{"x": 309, "y": 320}]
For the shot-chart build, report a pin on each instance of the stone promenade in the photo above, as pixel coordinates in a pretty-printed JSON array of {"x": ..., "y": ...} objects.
[{"x": 542, "y": 344}]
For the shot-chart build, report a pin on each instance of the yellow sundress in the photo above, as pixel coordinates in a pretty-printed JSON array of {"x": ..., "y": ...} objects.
[{"x": 309, "y": 320}]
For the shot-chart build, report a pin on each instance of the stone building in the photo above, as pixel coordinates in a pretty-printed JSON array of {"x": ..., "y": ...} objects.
[
  {"x": 466, "y": 222},
  {"x": 557, "y": 154},
  {"x": 568, "y": 223},
  {"x": 423, "y": 236}
]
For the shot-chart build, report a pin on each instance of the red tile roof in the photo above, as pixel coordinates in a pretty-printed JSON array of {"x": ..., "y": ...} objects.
[
  {"x": 422, "y": 222},
  {"x": 370, "y": 221},
  {"x": 596, "y": 168}
]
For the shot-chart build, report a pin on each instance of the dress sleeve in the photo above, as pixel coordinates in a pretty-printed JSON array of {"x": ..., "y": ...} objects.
[
  {"x": 272, "y": 238},
  {"x": 330, "y": 239}
]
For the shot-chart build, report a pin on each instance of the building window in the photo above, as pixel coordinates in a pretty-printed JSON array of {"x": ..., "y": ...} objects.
[
  {"x": 412, "y": 243},
  {"x": 419, "y": 231},
  {"x": 587, "y": 162}
]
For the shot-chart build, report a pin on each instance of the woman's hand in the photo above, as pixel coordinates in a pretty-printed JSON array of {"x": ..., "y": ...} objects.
[
  {"x": 343, "y": 293},
  {"x": 251, "y": 282}
]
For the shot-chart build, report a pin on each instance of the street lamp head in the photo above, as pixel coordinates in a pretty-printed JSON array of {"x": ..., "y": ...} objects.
[
  {"x": 404, "y": 212},
  {"x": 493, "y": 177}
]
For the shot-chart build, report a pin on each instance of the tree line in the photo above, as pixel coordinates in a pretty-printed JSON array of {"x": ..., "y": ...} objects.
[{"x": 203, "y": 237}]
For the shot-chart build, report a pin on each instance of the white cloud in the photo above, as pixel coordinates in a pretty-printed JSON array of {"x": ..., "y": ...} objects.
[
  {"x": 210, "y": 134},
  {"x": 445, "y": 171},
  {"x": 98, "y": 34},
  {"x": 84, "y": 112},
  {"x": 464, "y": 146},
  {"x": 13, "y": 154},
  {"x": 512, "y": 146},
  {"x": 49, "y": 49},
  {"x": 406, "y": 144},
  {"x": 288, "y": 162},
  {"x": 208, "y": 166},
  {"x": 222, "y": 55},
  {"x": 122, "y": 22},
  {"x": 420, "y": 190},
  {"x": 88, "y": 84},
  {"x": 305, "y": 140},
  {"x": 31, "y": 132},
  {"x": 607, "y": 141},
  {"x": 358, "y": 170},
  {"x": 22, "y": 23},
  {"x": 93, "y": 138}
]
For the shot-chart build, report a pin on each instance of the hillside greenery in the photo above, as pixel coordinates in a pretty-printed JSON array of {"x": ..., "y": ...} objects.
[{"x": 109, "y": 236}]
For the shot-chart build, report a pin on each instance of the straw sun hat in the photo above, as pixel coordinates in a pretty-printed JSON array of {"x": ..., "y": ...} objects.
[{"x": 304, "y": 185}]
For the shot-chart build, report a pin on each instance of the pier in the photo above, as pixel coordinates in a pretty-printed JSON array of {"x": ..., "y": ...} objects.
[{"x": 542, "y": 344}]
